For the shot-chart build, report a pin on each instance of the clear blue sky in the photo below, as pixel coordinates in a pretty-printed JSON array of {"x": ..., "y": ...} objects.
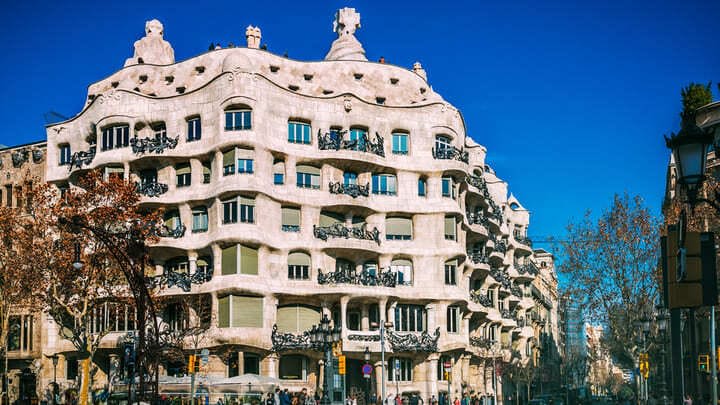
[{"x": 570, "y": 99}]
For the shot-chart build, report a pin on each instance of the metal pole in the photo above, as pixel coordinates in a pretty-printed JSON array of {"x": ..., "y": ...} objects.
[
  {"x": 713, "y": 358},
  {"x": 382, "y": 358},
  {"x": 494, "y": 375}
]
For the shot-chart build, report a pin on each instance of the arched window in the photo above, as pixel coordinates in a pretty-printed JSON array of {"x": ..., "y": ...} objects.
[
  {"x": 290, "y": 219},
  {"x": 296, "y": 318},
  {"x": 442, "y": 143},
  {"x": 404, "y": 270},
  {"x": 278, "y": 171},
  {"x": 115, "y": 136},
  {"x": 400, "y": 143},
  {"x": 293, "y": 367},
  {"x": 200, "y": 219},
  {"x": 397, "y": 228},
  {"x": 298, "y": 266},
  {"x": 238, "y": 118}
]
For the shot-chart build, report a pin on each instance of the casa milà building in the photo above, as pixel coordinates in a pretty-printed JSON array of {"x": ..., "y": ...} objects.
[{"x": 294, "y": 189}]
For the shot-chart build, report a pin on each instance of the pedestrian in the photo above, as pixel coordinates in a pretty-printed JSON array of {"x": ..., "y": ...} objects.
[
  {"x": 276, "y": 397},
  {"x": 310, "y": 400},
  {"x": 270, "y": 400},
  {"x": 687, "y": 400},
  {"x": 456, "y": 401}
]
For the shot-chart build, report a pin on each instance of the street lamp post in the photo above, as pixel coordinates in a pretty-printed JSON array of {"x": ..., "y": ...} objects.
[
  {"x": 323, "y": 337},
  {"x": 54, "y": 359},
  {"x": 643, "y": 324},
  {"x": 661, "y": 317},
  {"x": 384, "y": 326}
]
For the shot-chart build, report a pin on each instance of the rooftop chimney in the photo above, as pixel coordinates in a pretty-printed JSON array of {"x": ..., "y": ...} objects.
[{"x": 253, "y": 36}]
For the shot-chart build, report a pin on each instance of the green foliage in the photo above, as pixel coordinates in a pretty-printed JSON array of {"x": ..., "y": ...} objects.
[{"x": 694, "y": 96}]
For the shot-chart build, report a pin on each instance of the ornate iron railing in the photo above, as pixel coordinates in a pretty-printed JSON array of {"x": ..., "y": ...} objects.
[
  {"x": 523, "y": 239},
  {"x": 184, "y": 281},
  {"x": 365, "y": 338},
  {"x": 501, "y": 277},
  {"x": 476, "y": 181},
  {"x": 478, "y": 257},
  {"x": 384, "y": 278},
  {"x": 82, "y": 158},
  {"x": 413, "y": 342},
  {"x": 477, "y": 218},
  {"x": 290, "y": 228},
  {"x": 501, "y": 246},
  {"x": 336, "y": 141},
  {"x": 152, "y": 188},
  {"x": 516, "y": 291},
  {"x": 177, "y": 232},
  {"x": 339, "y": 230},
  {"x": 289, "y": 341},
  {"x": 480, "y": 297},
  {"x": 451, "y": 152},
  {"x": 506, "y": 314},
  {"x": 481, "y": 342},
  {"x": 153, "y": 144},
  {"x": 544, "y": 300},
  {"x": 353, "y": 190}
]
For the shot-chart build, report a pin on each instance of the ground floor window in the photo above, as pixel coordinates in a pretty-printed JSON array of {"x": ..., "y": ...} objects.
[
  {"x": 400, "y": 368},
  {"x": 293, "y": 367}
]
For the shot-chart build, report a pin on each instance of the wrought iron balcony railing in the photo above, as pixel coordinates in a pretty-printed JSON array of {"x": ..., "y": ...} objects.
[
  {"x": 353, "y": 190},
  {"x": 481, "y": 342},
  {"x": 478, "y": 257},
  {"x": 339, "y": 230},
  {"x": 506, "y": 314},
  {"x": 177, "y": 232},
  {"x": 289, "y": 341},
  {"x": 290, "y": 228},
  {"x": 480, "y": 297},
  {"x": 152, "y": 188},
  {"x": 153, "y": 144},
  {"x": 182, "y": 280},
  {"x": 449, "y": 153},
  {"x": 476, "y": 181},
  {"x": 384, "y": 278},
  {"x": 82, "y": 158},
  {"x": 516, "y": 291},
  {"x": 501, "y": 246},
  {"x": 336, "y": 141},
  {"x": 477, "y": 218},
  {"x": 523, "y": 239},
  {"x": 527, "y": 268},
  {"x": 413, "y": 342}
]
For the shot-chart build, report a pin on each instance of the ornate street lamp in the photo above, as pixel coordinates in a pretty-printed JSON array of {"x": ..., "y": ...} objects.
[
  {"x": 322, "y": 337},
  {"x": 661, "y": 318},
  {"x": 689, "y": 148},
  {"x": 54, "y": 359},
  {"x": 366, "y": 356}
]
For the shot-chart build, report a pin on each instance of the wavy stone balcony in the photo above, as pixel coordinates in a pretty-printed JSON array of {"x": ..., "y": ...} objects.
[
  {"x": 501, "y": 277},
  {"x": 175, "y": 233},
  {"x": 450, "y": 153},
  {"x": 384, "y": 278},
  {"x": 152, "y": 188},
  {"x": 413, "y": 342},
  {"x": 336, "y": 141},
  {"x": 282, "y": 342},
  {"x": 482, "y": 342},
  {"x": 353, "y": 190},
  {"x": 339, "y": 230},
  {"x": 480, "y": 297},
  {"x": 478, "y": 257},
  {"x": 153, "y": 145}
]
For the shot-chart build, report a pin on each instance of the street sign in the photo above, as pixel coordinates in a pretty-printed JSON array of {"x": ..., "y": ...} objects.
[
  {"x": 341, "y": 365},
  {"x": 447, "y": 365},
  {"x": 367, "y": 370},
  {"x": 205, "y": 356}
]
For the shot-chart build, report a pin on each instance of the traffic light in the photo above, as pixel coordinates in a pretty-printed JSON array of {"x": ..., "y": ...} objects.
[
  {"x": 717, "y": 357},
  {"x": 129, "y": 356},
  {"x": 341, "y": 365},
  {"x": 191, "y": 364},
  {"x": 644, "y": 365},
  {"x": 703, "y": 363}
]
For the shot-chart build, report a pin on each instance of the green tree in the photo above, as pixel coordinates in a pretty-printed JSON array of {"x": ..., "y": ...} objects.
[
  {"x": 612, "y": 264},
  {"x": 694, "y": 96}
]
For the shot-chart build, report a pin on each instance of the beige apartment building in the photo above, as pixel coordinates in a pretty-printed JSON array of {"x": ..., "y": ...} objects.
[{"x": 293, "y": 190}]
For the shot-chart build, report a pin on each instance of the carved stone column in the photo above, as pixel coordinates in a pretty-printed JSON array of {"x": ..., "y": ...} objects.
[
  {"x": 343, "y": 316},
  {"x": 272, "y": 365},
  {"x": 379, "y": 378},
  {"x": 432, "y": 381},
  {"x": 216, "y": 259}
]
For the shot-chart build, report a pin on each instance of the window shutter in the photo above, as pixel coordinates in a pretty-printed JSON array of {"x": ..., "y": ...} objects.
[
  {"x": 246, "y": 201},
  {"x": 229, "y": 157},
  {"x": 298, "y": 259},
  {"x": 182, "y": 169},
  {"x": 308, "y": 170},
  {"x": 247, "y": 312},
  {"x": 279, "y": 167},
  {"x": 330, "y": 218},
  {"x": 229, "y": 260},
  {"x": 286, "y": 319},
  {"x": 291, "y": 216},
  {"x": 244, "y": 153},
  {"x": 224, "y": 312},
  {"x": 450, "y": 226},
  {"x": 306, "y": 318},
  {"x": 398, "y": 226},
  {"x": 248, "y": 260}
]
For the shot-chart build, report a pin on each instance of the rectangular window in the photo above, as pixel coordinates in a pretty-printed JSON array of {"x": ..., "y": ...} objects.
[
  {"x": 65, "y": 154},
  {"x": 450, "y": 228},
  {"x": 245, "y": 166},
  {"x": 385, "y": 184},
  {"x": 349, "y": 178},
  {"x": 9, "y": 195},
  {"x": 450, "y": 270},
  {"x": 359, "y": 137},
  {"x": 247, "y": 210},
  {"x": 207, "y": 172},
  {"x": 398, "y": 228},
  {"x": 239, "y": 259},
  {"x": 422, "y": 188},
  {"x": 115, "y": 137},
  {"x": 236, "y": 311},
  {"x": 183, "y": 174},
  {"x": 400, "y": 369},
  {"x": 290, "y": 219},
  {"x": 299, "y": 132},
  {"x": 409, "y": 318},
  {"x": 200, "y": 219},
  {"x": 229, "y": 162},
  {"x": 448, "y": 187},
  {"x": 400, "y": 144},
  {"x": 238, "y": 120},
  {"x": 230, "y": 211},
  {"x": 194, "y": 132},
  {"x": 308, "y": 177},
  {"x": 278, "y": 178},
  {"x": 453, "y": 319}
]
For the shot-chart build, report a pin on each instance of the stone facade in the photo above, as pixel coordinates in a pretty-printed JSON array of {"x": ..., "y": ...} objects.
[{"x": 343, "y": 188}]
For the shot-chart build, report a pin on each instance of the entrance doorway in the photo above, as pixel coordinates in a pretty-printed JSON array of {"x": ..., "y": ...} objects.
[{"x": 356, "y": 384}]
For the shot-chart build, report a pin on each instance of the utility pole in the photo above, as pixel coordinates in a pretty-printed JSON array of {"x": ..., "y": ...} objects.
[{"x": 713, "y": 358}]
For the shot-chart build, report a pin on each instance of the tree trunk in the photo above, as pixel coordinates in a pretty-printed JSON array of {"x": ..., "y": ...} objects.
[{"x": 85, "y": 384}]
